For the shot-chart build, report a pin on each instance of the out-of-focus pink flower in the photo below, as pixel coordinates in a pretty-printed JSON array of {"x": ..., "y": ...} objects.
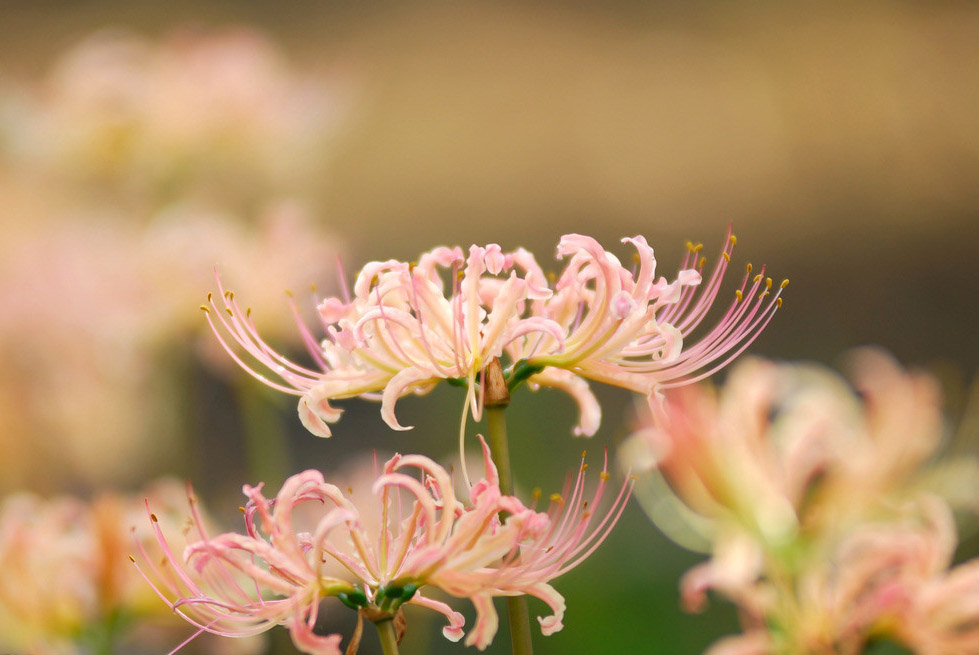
[
  {"x": 279, "y": 571},
  {"x": 409, "y": 326},
  {"x": 944, "y": 615},
  {"x": 199, "y": 111},
  {"x": 90, "y": 307},
  {"x": 814, "y": 502},
  {"x": 787, "y": 446},
  {"x": 66, "y": 578}
]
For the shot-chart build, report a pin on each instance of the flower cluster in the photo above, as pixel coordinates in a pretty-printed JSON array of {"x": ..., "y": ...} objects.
[
  {"x": 67, "y": 586},
  {"x": 821, "y": 522},
  {"x": 197, "y": 111},
  {"x": 312, "y": 542},
  {"x": 409, "y": 325}
]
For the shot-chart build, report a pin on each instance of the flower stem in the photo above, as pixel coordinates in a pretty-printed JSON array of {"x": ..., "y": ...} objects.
[
  {"x": 389, "y": 639},
  {"x": 496, "y": 400}
]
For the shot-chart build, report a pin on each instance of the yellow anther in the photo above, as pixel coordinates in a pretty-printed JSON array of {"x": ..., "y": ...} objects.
[
  {"x": 778, "y": 302},
  {"x": 132, "y": 559},
  {"x": 768, "y": 283},
  {"x": 205, "y": 308},
  {"x": 748, "y": 268},
  {"x": 700, "y": 264},
  {"x": 733, "y": 240},
  {"x": 584, "y": 467},
  {"x": 636, "y": 258},
  {"x": 536, "y": 493},
  {"x": 241, "y": 509},
  {"x": 604, "y": 476},
  {"x": 634, "y": 478},
  {"x": 726, "y": 256},
  {"x": 248, "y": 312},
  {"x": 289, "y": 293},
  {"x": 689, "y": 245},
  {"x": 209, "y": 295},
  {"x": 230, "y": 295},
  {"x": 762, "y": 295},
  {"x": 757, "y": 279},
  {"x": 230, "y": 313},
  {"x": 312, "y": 287},
  {"x": 350, "y": 490},
  {"x": 785, "y": 283},
  {"x": 556, "y": 498},
  {"x": 154, "y": 519},
  {"x": 698, "y": 247},
  {"x": 584, "y": 453},
  {"x": 738, "y": 295}
]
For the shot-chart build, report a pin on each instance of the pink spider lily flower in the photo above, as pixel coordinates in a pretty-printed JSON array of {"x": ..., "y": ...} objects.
[
  {"x": 944, "y": 619},
  {"x": 815, "y": 499},
  {"x": 629, "y": 329},
  {"x": 407, "y": 327},
  {"x": 278, "y": 572},
  {"x": 557, "y": 542},
  {"x": 401, "y": 333}
]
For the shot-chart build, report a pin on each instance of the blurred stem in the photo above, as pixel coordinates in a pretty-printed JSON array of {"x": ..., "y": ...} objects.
[
  {"x": 495, "y": 403},
  {"x": 266, "y": 451},
  {"x": 389, "y": 639}
]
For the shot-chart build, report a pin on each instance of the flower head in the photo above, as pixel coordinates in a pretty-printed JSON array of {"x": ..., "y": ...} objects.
[
  {"x": 66, "y": 580},
  {"x": 312, "y": 542},
  {"x": 408, "y": 326},
  {"x": 814, "y": 504}
]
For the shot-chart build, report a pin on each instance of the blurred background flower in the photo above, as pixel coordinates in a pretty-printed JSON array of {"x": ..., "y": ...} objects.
[{"x": 142, "y": 144}]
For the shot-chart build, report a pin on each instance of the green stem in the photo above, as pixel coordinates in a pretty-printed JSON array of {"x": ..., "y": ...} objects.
[
  {"x": 517, "y": 612},
  {"x": 499, "y": 446},
  {"x": 266, "y": 447},
  {"x": 389, "y": 639}
]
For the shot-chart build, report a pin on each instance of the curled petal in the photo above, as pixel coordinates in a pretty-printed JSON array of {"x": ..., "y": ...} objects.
[
  {"x": 331, "y": 310},
  {"x": 301, "y": 631},
  {"x": 453, "y": 631},
  {"x": 399, "y": 385},
  {"x": 647, "y": 267},
  {"x": 590, "y": 412},
  {"x": 315, "y": 417},
  {"x": 553, "y": 623},
  {"x": 487, "y": 622}
]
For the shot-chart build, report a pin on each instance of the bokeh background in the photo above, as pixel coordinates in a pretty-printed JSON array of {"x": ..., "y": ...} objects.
[{"x": 144, "y": 144}]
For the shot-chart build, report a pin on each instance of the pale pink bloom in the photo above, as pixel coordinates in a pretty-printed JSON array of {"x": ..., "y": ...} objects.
[
  {"x": 870, "y": 583},
  {"x": 782, "y": 446},
  {"x": 627, "y": 328},
  {"x": 944, "y": 618},
  {"x": 279, "y": 571},
  {"x": 813, "y": 499},
  {"x": 401, "y": 331},
  {"x": 91, "y": 306},
  {"x": 867, "y": 585},
  {"x": 409, "y": 326},
  {"x": 572, "y": 531},
  {"x": 65, "y": 572},
  {"x": 196, "y": 112}
]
